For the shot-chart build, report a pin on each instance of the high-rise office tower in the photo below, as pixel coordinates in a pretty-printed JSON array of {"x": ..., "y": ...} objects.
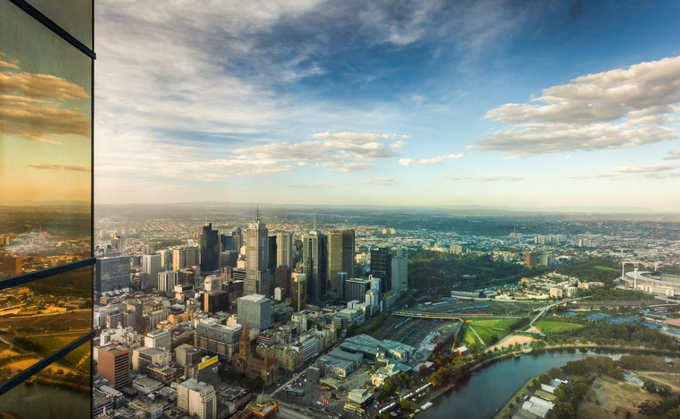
[
  {"x": 179, "y": 258},
  {"x": 315, "y": 261},
  {"x": 284, "y": 249},
  {"x": 340, "y": 256},
  {"x": 167, "y": 280},
  {"x": 193, "y": 255},
  {"x": 151, "y": 265},
  {"x": 348, "y": 252},
  {"x": 342, "y": 284},
  {"x": 255, "y": 311},
  {"x": 282, "y": 277},
  {"x": 335, "y": 248},
  {"x": 112, "y": 274},
  {"x": 257, "y": 260},
  {"x": 298, "y": 292},
  {"x": 166, "y": 259},
  {"x": 271, "y": 251},
  {"x": 236, "y": 239},
  {"x": 400, "y": 270},
  {"x": 227, "y": 242},
  {"x": 381, "y": 266},
  {"x": 114, "y": 364},
  {"x": 210, "y": 249}
]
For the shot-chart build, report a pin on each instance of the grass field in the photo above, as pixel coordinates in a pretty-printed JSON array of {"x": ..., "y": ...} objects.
[
  {"x": 612, "y": 397},
  {"x": 486, "y": 329},
  {"x": 49, "y": 345},
  {"x": 550, "y": 326}
]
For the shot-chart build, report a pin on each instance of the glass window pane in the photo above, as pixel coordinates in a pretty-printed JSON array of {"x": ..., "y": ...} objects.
[
  {"x": 45, "y": 147},
  {"x": 41, "y": 317},
  {"x": 74, "y": 16},
  {"x": 60, "y": 391}
]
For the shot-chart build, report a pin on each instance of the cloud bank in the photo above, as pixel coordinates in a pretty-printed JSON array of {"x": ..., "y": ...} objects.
[{"x": 613, "y": 109}]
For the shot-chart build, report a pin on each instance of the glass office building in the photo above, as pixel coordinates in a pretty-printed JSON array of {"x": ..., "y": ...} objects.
[{"x": 46, "y": 203}]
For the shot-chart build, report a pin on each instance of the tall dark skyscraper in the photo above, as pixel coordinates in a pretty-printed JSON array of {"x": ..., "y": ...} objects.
[
  {"x": 315, "y": 264},
  {"x": 348, "y": 245},
  {"x": 335, "y": 253},
  {"x": 271, "y": 243},
  {"x": 257, "y": 258},
  {"x": 340, "y": 256},
  {"x": 227, "y": 241},
  {"x": 381, "y": 266},
  {"x": 210, "y": 249}
]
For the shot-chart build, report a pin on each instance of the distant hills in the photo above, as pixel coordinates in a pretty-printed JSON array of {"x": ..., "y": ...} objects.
[{"x": 466, "y": 209}]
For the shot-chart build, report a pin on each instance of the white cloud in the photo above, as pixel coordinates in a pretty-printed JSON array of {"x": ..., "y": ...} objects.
[
  {"x": 338, "y": 152},
  {"x": 430, "y": 161},
  {"x": 613, "y": 109},
  {"x": 484, "y": 178},
  {"x": 37, "y": 107},
  {"x": 383, "y": 181},
  {"x": 673, "y": 154},
  {"x": 649, "y": 171}
]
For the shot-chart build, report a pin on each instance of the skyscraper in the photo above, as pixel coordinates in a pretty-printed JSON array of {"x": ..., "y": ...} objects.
[
  {"x": 381, "y": 267},
  {"x": 348, "y": 246},
  {"x": 284, "y": 249},
  {"x": 335, "y": 258},
  {"x": 236, "y": 239},
  {"x": 114, "y": 365},
  {"x": 257, "y": 260},
  {"x": 272, "y": 251},
  {"x": 315, "y": 261},
  {"x": 298, "y": 293},
  {"x": 112, "y": 273},
  {"x": 227, "y": 241},
  {"x": 210, "y": 249},
  {"x": 400, "y": 270},
  {"x": 151, "y": 265}
]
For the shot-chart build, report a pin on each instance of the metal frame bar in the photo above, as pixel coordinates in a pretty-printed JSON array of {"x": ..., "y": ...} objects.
[
  {"x": 37, "y": 15},
  {"x": 45, "y": 273},
  {"x": 44, "y": 363}
]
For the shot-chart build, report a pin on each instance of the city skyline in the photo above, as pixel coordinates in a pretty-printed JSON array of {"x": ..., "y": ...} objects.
[{"x": 490, "y": 103}]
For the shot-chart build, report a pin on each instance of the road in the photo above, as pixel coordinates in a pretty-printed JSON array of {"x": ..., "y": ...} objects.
[
  {"x": 288, "y": 413},
  {"x": 448, "y": 316},
  {"x": 548, "y": 307},
  {"x": 282, "y": 386}
]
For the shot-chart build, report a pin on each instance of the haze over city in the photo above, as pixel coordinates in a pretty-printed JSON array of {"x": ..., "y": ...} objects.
[{"x": 494, "y": 103}]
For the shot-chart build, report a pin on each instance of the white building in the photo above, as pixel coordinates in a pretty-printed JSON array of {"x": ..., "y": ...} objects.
[
  {"x": 159, "y": 338},
  {"x": 197, "y": 398},
  {"x": 167, "y": 281}
]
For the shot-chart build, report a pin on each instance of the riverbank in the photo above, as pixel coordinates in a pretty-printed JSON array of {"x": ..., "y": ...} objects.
[
  {"x": 505, "y": 408},
  {"x": 569, "y": 349}
]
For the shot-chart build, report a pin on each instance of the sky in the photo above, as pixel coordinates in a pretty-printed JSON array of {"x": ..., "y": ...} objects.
[
  {"x": 45, "y": 114},
  {"x": 427, "y": 103}
]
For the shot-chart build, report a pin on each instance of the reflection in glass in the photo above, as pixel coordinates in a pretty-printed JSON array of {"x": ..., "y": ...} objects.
[
  {"x": 74, "y": 16},
  {"x": 43, "y": 316},
  {"x": 45, "y": 147},
  {"x": 61, "y": 391}
]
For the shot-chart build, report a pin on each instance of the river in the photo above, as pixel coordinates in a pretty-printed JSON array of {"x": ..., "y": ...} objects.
[
  {"x": 484, "y": 392},
  {"x": 41, "y": 401}
]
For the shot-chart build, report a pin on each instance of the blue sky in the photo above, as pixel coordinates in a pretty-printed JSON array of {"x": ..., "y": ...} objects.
[{"x": 513, "y": 103}]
